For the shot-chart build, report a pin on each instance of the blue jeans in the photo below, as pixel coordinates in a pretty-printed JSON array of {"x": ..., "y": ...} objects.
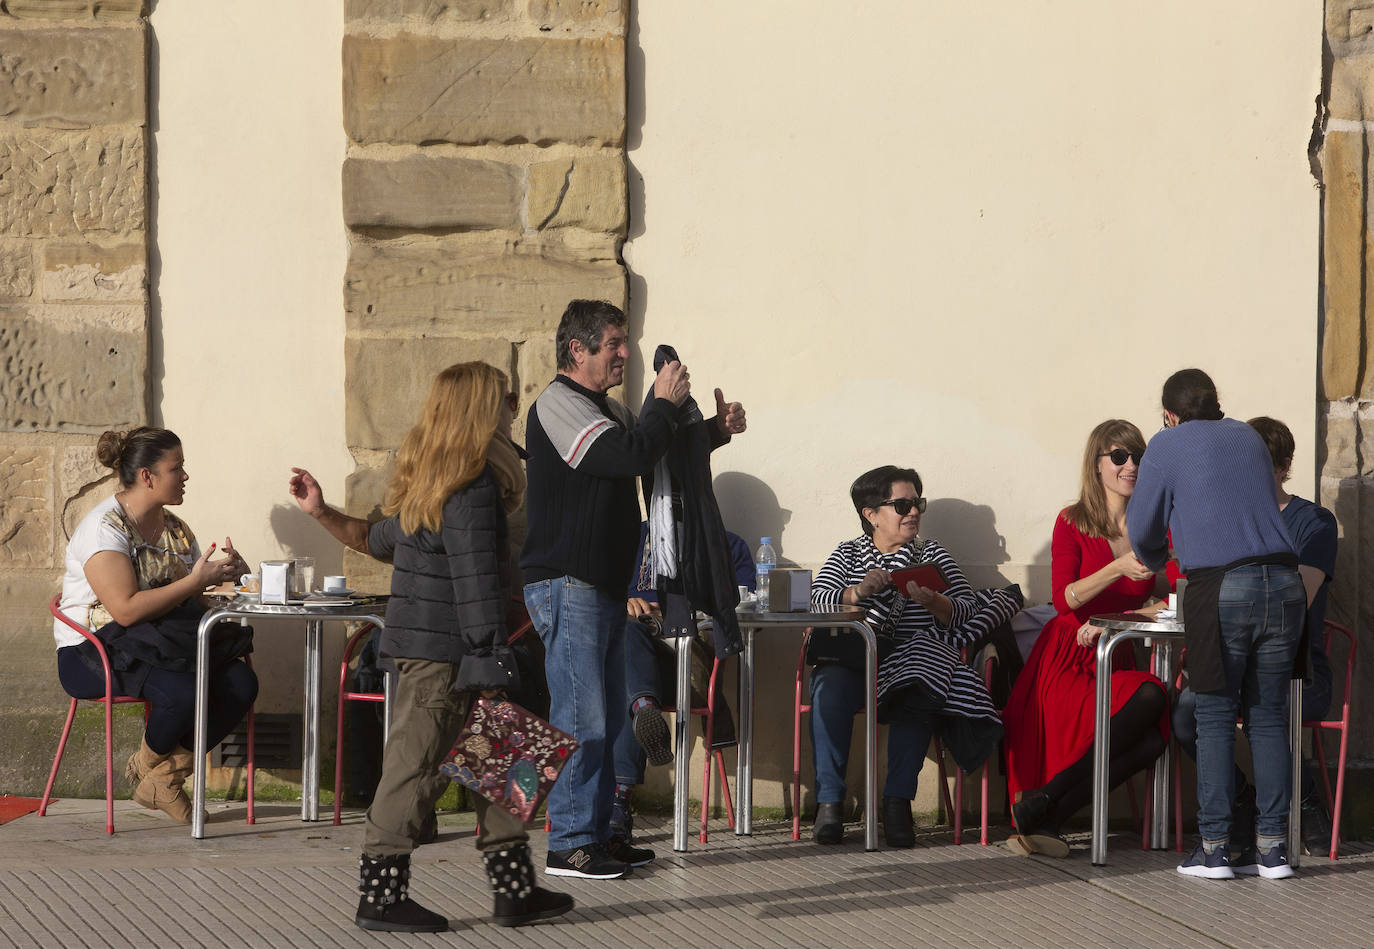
[
  {"x": 1316, "y": 702},
  {"x": 1260, "y": 609},
  {"x": 584, "y": 659},
  {"x": 837, "y": 695}
]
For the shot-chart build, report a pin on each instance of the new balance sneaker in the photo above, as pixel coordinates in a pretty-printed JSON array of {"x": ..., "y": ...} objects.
[
  {"x": 1210, "y": 866},
  {"x": 589, "y": 863},
  {"x": 1272, "y": 864},
  {"x": 619, "y": 848}
]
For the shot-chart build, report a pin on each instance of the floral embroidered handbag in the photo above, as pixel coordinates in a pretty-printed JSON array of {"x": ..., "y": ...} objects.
[{"x": 508, "y": 755}]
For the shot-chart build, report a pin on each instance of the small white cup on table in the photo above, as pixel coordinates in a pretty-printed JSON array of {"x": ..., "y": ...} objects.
[{"x": 335, "y": 584}]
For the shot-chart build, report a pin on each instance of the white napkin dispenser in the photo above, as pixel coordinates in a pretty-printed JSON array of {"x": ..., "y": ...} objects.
[{"x": 276, "y": 581}]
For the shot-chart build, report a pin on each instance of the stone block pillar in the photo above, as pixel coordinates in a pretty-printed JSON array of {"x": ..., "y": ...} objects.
[
  {"x": 73, "y": 324},
  {"x": 1345, "y": 407},
  {"x": 484, "y": 187}
]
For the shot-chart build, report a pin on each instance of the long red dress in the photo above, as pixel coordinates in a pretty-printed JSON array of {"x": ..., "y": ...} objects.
[{"x": 1049, "y": 715}]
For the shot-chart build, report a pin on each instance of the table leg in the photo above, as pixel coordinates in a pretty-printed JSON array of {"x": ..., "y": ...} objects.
[
  {"x": 1163, "y": 667},
  {"x": 870, "y": 733},
  {"x": 682, "y": 740},
  {"x": 310, "y": 766},
  {"x": 207, "y": 623},
  {"x": 1295, "y": 798},
  {"x": 1102, "y": 713},
  {"x": 744, "y": 765}
]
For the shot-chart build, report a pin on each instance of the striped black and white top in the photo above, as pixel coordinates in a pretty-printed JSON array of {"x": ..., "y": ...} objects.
[{"x": 926, "y": 651}]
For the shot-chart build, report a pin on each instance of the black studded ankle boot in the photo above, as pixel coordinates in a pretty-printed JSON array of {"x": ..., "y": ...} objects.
[
  {"x": 384, "y": 906},
  {"x": 517, "y": 900}
]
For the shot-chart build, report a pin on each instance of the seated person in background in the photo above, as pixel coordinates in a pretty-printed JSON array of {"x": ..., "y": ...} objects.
[
  {"x": 1049, "y": 716},
  {"x": 651, "y": 672},
  {"x": 1313, "y": 531},
  {"x": 924, "y": 689},
  {"x": 134, "y": 575}
]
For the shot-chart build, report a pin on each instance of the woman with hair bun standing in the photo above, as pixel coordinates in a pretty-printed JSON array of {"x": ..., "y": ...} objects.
[{"x": 134, "y": 574}]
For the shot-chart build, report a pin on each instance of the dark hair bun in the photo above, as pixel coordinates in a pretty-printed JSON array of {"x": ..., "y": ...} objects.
[{"x": 110, "y": 449}]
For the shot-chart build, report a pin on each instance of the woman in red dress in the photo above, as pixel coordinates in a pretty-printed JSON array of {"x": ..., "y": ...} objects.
[{"x": 1049, "y": 716}]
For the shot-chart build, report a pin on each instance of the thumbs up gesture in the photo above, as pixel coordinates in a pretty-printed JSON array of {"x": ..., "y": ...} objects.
[{"x": 729, "y": 416}]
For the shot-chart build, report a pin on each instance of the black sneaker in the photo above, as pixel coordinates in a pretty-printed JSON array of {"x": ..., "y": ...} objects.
[
  {"x": 1272, "y": 864},
  {"x": 651, "y": 731},
  {"x": 1210, "y": 866},
  {"x": 589, "y": 863},
  {"x": 619, "y": 848}
]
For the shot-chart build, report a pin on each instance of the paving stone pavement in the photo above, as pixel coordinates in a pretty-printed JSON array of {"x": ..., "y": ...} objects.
[{"x": 281, "y": 882}]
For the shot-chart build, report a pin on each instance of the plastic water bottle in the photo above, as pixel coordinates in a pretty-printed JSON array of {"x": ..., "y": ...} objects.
[{"x": 765, "y": 560}]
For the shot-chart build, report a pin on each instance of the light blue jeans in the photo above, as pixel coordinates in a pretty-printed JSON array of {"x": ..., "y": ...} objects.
[
  {"x": 1261, "y": 615},
  {"x": 583, "y": 631}
]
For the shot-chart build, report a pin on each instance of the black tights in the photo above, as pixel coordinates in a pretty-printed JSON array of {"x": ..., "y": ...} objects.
[{"x": 1135, "y": 741}]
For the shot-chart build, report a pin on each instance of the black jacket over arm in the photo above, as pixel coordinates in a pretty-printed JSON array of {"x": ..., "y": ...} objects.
[{"x": 706, "y": 571}]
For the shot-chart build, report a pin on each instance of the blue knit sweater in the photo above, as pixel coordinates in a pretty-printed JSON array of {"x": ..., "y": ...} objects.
[{"x": 1210, "y": 485}]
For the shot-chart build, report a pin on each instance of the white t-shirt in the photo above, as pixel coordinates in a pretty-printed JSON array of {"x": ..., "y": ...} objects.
[{"x": 107, "y": 528}]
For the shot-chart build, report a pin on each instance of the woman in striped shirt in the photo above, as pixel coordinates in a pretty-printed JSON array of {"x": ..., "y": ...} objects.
[{"x": 924, "y": 688}]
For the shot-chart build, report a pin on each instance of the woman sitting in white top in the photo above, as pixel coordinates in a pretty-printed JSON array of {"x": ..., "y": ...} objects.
[{"x": 134, "y": 574}]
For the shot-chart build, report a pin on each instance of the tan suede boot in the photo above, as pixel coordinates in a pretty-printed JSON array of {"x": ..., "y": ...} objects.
[
  {"x": 140, "y": 763},
  {"x": 162, "y": 785}
]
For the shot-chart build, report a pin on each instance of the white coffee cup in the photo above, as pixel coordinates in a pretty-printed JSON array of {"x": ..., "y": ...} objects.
[
  {"x": 333, "y": 584},
  {"x": 251, "y": 582}
]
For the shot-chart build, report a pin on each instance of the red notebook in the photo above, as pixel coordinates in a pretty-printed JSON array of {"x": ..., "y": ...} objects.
[
  {"x": 508, "y": 755},
  {"x": 927, "y": 575}
]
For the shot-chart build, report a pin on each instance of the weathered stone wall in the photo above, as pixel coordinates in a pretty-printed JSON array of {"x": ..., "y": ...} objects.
[
  {"x": 484, "y": 187},
  {"x": 1346, "y": 400},
  {"x": 73, "y": 332}
]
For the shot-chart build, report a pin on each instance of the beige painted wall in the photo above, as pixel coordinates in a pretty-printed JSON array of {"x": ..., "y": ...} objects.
[
  {"x": 249, "y": 140},
  {"x": 957, "y": 236}
]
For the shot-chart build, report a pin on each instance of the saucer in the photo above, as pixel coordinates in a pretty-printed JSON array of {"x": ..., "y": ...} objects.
[{"x": 341, "y": 591}]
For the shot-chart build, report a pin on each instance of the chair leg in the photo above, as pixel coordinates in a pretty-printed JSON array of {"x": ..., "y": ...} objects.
[
  {"x": 338, "y": 756},
  {"x": 252, "y": 765},
  {"x": 725, "y": 788},
  {"x": 958, "y": 804},
  {"x": 1340, "y": 793},
  {"x": 1177, "y": 767},
  {"x": 57, "y": 759},
  {"x": 983, "y": 828}
]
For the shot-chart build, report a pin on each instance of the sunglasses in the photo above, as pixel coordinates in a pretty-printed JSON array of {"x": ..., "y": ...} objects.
[
  {"x": 903, "y": 506},
  {"x": 1119, "y": 456}
]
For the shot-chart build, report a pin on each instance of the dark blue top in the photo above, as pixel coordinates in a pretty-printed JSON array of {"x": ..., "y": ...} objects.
[
  {"x": 1209, "y": 484},
  {"x": 1313, "y": 530},
  {"x": 643, "y": 584}
]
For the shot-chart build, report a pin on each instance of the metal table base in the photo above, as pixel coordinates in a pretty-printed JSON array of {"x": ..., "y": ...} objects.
[
  {"x": 842, "y": 617},
  {"x": 315, "y": 617}
]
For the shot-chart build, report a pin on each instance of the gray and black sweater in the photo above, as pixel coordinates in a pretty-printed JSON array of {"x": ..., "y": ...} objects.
[
  {"x": 585, "y": 452},
  {"x": 450, "y": 587}
]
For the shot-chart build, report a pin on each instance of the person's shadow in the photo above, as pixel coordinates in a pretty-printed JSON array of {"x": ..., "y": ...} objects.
[
  {"x": 750, "y": 508},
  {"x": 969, "y": 532}
]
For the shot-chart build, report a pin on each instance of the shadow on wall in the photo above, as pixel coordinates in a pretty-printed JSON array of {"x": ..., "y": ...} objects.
[
  {"x": 969, "y": 532},
  {"x": 750, "y": 508},
  {"x": 636, "y": 375},
  {"x": 300, "y": 536}
]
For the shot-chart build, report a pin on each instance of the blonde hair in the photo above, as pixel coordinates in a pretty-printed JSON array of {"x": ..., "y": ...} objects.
[
  {"x": 448, "y": 447},
  {"x": 1089, "y": 512}
]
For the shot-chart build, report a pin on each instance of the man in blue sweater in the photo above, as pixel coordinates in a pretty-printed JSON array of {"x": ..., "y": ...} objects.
[
  {"x": 585, "y": 451},
  {"x": 1207, "y": 482}
]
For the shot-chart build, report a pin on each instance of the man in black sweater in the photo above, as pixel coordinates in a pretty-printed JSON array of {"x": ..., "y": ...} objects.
[{"x": 585, "y": 451}]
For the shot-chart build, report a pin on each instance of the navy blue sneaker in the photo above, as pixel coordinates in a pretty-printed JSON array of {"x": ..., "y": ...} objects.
[
  {"x": 1210, "y": 866},
  {"x": 1272, "y": 864}
]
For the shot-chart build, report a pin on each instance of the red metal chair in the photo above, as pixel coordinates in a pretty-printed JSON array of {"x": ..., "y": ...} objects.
[
  {"x": 1341, "y": 725},
  {"x": 956, "y": 807},
  {"x": 709, "y": 713},
  {"x": 110, "y": 700}
]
